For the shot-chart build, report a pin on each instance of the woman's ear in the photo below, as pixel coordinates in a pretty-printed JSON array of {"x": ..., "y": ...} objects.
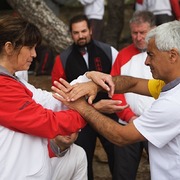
[{"x": 9, "y": 48}]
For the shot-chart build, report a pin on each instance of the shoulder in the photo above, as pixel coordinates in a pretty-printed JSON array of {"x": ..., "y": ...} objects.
[
  {"x": 77, "y": 148},
  {"x": 106, "y": 48},
  {"x": 67, "y": 51},
  {"x": 131, "y": 49},
  {"x": 127, "y": 53},
  {"x": 102, "y": 45},
  {"x": 77, "y": 153},
  {"x": 65, "y": 54},
  {"x": 155, "y": 86}
]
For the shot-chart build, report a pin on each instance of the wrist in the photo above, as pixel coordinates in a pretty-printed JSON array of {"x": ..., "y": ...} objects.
[{"x": 88, "y": 74}]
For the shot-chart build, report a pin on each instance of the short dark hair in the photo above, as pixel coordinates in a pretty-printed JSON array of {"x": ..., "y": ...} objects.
[
  {"x": 18, "y": 31},
  {"x": 78, "y": 18}
]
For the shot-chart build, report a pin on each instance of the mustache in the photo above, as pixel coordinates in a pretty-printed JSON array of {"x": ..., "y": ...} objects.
[{"x": 81, "y": 39}]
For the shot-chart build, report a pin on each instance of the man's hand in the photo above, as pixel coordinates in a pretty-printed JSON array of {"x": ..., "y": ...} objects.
[
  {"x": 103, "y": 80},
  {"x": 109, "y": 106}
]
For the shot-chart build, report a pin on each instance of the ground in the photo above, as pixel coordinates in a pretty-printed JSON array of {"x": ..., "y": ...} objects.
[{"x": 100, "y": 166}]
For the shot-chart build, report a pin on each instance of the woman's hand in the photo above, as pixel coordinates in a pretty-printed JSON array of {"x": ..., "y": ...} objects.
[{"x": 73, "y": 92}]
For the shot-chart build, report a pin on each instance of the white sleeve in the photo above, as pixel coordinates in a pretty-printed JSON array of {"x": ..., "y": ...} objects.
[
  {"x": 22, "y": 74},
  {"x": 86, "y": 2},
  {"x": 44, "y": 98},
  {"x": 80, "y": 79},
  {"x": 81, "y": 166},
  {"x": 160, "y": 123},
  {"x": 114, "y": 54}
]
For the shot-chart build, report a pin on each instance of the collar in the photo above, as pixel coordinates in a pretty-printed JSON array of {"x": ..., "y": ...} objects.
[
  {"x": 5, "y": 72},
  {"x": 56, "y": 149},
  {"x": 171, "y": 85}
]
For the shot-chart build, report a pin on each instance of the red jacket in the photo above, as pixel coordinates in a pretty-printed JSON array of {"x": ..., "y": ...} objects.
[
  {"x": 175, "y": 8},
  {"x": 122, "y": 58},
  {"x": 19, "y": 112}
]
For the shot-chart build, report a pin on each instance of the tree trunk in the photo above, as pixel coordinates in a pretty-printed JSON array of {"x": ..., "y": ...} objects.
[
  {"x": 115, "y": 22},
  {"x": 53, "y": 30}
]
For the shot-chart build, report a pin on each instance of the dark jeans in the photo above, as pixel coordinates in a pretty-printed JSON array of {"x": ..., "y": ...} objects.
[
  {"x": 97, "y": 28},
  {"x": 127, "y": 160},
  {"x": 87, "y": 139},
  {"x": 163, "y": 18}
]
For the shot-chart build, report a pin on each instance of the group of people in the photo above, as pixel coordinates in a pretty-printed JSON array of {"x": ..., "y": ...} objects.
[
  {"x": 123, "y": 161},
  {"x": 53, "y": 136},
  {"x": 159, "y": 124},
  {"x": 86, "y": 54}
]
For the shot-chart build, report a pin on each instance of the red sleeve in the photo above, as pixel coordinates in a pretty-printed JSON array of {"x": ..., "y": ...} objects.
[
  {"x": 126, "y": 114},
  {"x": 122, "y": 58},
  {"x": 19, "y": 112},
  {"x": 139, "y": 1},
  {"x": 58, "y": 70},
  {"x": 51, "y": 153},
  {"x": 175, "y": 8}
]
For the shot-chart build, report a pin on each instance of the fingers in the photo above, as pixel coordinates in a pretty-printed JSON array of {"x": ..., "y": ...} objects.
[
  {"x": 63, "y": 85},
  {"x": 91, "y": 98},
  {"x": 103, "y": 80},
  {"x": 88, "y": 89},
  {"x": 74, "y": 92},
  {"x": 78, "y": 91},
  {"x": 109, "y": 82},
  {"x": 59, "y": 94},
  {"x": 61, "y": 89}
]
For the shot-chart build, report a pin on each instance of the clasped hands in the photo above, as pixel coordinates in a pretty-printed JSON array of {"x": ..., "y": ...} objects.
[{"x": 73, "y": 95}]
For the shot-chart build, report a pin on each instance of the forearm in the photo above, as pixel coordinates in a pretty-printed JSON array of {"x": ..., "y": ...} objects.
[
  {"x": 108, "y": 128},
  {"x": 124, "y": 84}
]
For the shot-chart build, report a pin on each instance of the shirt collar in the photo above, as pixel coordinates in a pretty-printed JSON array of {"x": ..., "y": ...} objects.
[
  {"x": 4, "y": 72},
  {"x": 171, "y": 84}
]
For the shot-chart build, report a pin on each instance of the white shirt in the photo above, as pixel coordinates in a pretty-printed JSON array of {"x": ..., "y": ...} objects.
[
  {"x": 30, "y": 161},
  {"x": 93, "y": 9},
  {"x": 22, "y": 74},
  {"x": 136, "y": 67},
  {"x": 72, "y": 166},
  {"x": 113, "y": 51},
  {"x": 160, "y": 125},
  {"x": 157, "y": 6}
]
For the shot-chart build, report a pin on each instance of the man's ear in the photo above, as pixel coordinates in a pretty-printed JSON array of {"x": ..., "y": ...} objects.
[
  {"x": 9, "y": 48},
  {"x": 174, "y": 54}
]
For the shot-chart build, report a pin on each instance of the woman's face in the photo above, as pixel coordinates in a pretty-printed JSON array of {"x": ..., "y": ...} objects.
[{"x": 24, "y": 57}]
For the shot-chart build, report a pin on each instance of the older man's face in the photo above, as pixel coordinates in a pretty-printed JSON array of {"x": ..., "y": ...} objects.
[
  {"x": 138, "y": 34},
  {"x": 158, "y": 61}
]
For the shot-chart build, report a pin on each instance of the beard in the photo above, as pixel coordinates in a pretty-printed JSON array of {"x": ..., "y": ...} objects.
[{"x": 82, "y": 42}]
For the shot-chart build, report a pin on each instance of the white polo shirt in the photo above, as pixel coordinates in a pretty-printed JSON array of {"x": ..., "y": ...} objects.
[{"x": 160, "y": 125}]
